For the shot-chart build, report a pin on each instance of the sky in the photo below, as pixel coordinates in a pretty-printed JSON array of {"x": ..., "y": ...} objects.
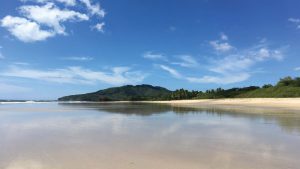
[{"x": 53, "y": 48}]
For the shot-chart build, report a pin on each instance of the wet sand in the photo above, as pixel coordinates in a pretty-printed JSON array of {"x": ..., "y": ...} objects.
[{"x": 135, "y": 136}]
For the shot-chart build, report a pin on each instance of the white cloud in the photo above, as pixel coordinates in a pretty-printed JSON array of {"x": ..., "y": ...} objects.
[
  {"x": 266, "y": 53},
  {"x": 221, "y": 46},
  {"x": 43, "y": 19},
  {"x": 227, "y": 79},
  {"x": 229, "y": 64},
  {"x": 233, "y": 68},
  {"x": 154, "y": 56},
  {"x": 51, "y": 16},
  {"x": 25, "y": 30},
  {"x": 236, "y": 67},
  {"x": 78, "y": 75},
  {"x": 66, "y": 2},
  {"x": 21, "y": 63},
  {"x": 79, "y": 58},
  {"x": 242, "y": 61},
  {"x": 297, "y": 69},
  {"x": 94, "y": 9},
  {"x": 172, "y": 71},
  {"x": 224, "y": 37},
  {"x": 226, "y": 68},
  {"x": 296, "y": 21},
  {"x": 219, "y": 79},
  {"x": 186, "y": 61},
  {"x": 99, "y": 27}
]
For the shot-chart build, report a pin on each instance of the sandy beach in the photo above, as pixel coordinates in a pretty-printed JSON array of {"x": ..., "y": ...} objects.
[
  {"x": 253, "y": 103},
  {"x": 269, "y": 103}
]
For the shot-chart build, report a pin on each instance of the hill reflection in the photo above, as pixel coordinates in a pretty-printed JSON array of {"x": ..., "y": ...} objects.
[{"x": 287, "y": 120}]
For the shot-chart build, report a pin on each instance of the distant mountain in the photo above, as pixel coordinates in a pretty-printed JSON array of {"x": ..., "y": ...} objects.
[{"x": 123, "y": 93}]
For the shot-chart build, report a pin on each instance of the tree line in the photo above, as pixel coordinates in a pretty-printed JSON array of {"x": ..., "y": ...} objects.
[{"x": 284, "y": 83}]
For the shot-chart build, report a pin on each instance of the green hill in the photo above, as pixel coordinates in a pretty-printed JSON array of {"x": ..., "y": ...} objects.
[
  {"x": 123, "y": 93},
  {"x": 286, "y": 87},
  {"x": 272, "y": 92}
]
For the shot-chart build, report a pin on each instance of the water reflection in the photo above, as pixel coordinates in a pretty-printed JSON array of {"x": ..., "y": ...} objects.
[
  {"x": 140, "y": 109},
  {"x": 134, "y": 136},
  {"x": 288, "y": 120}
]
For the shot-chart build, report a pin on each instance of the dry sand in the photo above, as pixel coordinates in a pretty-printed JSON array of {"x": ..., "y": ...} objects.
[{"x": 274, "y": 103}]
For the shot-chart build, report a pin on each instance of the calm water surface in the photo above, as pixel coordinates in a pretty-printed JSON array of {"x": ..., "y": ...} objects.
[{"x": 144, "y": 136}]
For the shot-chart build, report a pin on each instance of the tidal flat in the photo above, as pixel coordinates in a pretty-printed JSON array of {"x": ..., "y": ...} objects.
[{"x": 145, "y": 135}]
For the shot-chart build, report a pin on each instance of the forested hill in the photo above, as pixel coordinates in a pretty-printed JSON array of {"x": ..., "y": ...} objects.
[
  {"x": 123, "y": 93},
  {"x": 286, "y": 87}
]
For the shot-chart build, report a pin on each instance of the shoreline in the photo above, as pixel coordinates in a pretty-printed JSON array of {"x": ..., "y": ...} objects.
[
  {"x": 269, "y": 103},
  {"x": 259, "y": 103}
]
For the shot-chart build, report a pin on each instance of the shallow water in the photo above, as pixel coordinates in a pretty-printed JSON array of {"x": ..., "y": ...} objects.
[{"x": 142, "y": 136}]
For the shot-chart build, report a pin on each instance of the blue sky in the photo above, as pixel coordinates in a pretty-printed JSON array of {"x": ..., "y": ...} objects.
[{"x": 52, "y": 48}]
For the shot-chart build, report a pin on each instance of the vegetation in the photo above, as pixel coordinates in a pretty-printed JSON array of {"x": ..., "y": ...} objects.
[
  {"x": 286, "y": 87},
  {"x": 124, "y": 93}
]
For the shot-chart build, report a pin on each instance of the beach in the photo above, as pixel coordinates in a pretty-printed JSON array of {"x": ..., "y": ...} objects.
[
  {"x": 291, "y": 104},
  {"x": 266, "y": 103},
  {"x": 138, "y": 135}
]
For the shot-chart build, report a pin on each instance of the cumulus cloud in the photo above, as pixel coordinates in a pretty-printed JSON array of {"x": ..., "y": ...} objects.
[
  {"x": 242, "y": 61},
  {"x": 224, "y": 36},
  {"x": 99, "y": 27},
  {"x": 25, "y": 30},
  {"x": 77, "y": 75},
  {"x": 297, "y": 69},
  {"x": 66, "y": 2},
  {"x": 43, "y": 19},
  {"x": 221, "y": 45},
  {"x": 94, "y": 9},
  {"x": 51, "y": 16}
]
